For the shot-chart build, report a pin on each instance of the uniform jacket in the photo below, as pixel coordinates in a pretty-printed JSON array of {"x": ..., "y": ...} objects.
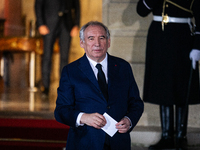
[
  {"x": 47, "y": 12},
  {"x": 168, "y": 66},
  {"x": 79, "y": 92}
]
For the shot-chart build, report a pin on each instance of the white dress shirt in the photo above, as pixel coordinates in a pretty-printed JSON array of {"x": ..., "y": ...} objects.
[{"x": 93, "y": 64}]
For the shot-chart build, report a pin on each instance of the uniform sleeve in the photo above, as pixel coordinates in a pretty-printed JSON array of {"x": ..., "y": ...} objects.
[
  {"x": 196, "y": 13},
  {"x": 144, "y": 7}
]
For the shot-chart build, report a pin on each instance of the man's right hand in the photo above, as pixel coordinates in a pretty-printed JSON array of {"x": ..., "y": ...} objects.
[
  {"x": 95, "y": 120},
  {"x": 194, "y": 56},
  {"x": 43, "y": 30}
]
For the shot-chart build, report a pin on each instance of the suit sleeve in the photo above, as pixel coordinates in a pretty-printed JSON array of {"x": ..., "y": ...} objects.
[
  {"x": 39, "y": 7},
  {"x": 65, "y": 104},
  {"x": 76, "y": 6},
  {"x": 136, "y": 105}
]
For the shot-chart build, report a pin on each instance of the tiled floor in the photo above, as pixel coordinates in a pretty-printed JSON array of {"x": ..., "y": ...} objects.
[
  {"x": 16, "y": 98},
  {"x": 22, "y": 103}
]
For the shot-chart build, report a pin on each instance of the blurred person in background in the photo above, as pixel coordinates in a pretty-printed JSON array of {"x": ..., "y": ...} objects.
[{"x": 56, "y": 19}]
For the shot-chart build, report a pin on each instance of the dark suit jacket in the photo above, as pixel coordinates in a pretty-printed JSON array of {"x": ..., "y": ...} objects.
[
  {"x": 47, "y": 12},
  {"x": 79, "y": 92}
]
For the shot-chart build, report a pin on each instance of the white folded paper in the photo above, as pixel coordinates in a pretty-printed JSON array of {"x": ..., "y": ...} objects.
[{"x": 110, "y": 127}]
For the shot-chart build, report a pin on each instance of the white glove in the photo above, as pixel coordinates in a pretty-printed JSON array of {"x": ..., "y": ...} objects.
[{"x": 194, "y": 56}]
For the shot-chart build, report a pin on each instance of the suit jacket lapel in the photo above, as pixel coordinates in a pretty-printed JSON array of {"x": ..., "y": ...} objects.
[
  {"x": 85, "y": 67},
  {"x": 112, "y": 71}
]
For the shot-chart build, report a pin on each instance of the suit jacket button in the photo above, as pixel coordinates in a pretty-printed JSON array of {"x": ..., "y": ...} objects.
[{"x": 108, "y": 107}]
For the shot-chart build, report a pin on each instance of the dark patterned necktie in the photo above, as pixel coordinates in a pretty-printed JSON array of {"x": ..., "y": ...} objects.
[{"x": 102, "y": 81}]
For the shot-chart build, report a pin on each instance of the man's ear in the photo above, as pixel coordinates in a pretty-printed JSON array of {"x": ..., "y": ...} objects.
[
  {"x": 108, "y": 43},
  {"x": 81, "y": 43}
]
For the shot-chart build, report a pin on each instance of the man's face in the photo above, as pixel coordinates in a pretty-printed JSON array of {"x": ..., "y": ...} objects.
[{"x": 96, "y": 43}]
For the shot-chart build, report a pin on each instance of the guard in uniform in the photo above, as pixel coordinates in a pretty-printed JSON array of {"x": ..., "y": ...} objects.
[{"x": 172, "y": 52}]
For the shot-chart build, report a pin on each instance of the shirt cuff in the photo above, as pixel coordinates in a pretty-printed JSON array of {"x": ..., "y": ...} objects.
[
  {"x": 78, "y": 120},
  {"x": 129, "y": 120}
]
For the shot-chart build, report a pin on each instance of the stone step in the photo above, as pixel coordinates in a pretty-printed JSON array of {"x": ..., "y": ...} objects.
[{"x": 146, "y": 135}]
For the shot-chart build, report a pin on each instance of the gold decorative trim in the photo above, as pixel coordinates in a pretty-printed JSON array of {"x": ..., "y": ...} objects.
[
  {"x": 185, "y": 9},
  {"x": 165, "y": 17},
  {"x": 38, "y": 50},
  {"x": 14, "y": 44}
]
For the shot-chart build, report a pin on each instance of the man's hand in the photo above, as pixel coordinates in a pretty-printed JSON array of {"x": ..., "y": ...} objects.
[
  {"x": 194, "y": 56},
  {"x": 43, "y": 30},
  {"x": 95, "y": 120},
  {"x": 124, "y": 125},
  {"x": 74, "y": 31}
]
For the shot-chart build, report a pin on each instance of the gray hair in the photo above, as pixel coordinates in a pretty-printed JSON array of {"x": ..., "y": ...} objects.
[{"x": 93, "y": 23}]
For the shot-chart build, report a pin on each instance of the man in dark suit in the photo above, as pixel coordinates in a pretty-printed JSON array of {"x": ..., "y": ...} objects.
[
  {"x": 56, "y": 18},
  {"x": 81, "y": 101}
]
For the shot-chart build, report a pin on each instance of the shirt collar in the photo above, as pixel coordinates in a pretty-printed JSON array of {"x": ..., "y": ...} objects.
[{"x": 103, "y": 62}]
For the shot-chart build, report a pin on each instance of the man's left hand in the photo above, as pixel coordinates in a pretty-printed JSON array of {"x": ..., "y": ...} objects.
[
  {"x": 123, "y": 126},
  {"x": 74, "y": 31}
]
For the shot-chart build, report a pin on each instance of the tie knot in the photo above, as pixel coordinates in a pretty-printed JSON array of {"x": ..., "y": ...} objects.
[{"x": 99, "y": 66}]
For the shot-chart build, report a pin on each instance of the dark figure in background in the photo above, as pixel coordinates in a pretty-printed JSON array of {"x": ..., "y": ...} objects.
[
  {"x": 56, "y": 19},
  {"x": 171, "y": 43},
  {"x": 81, "y": 101}
]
